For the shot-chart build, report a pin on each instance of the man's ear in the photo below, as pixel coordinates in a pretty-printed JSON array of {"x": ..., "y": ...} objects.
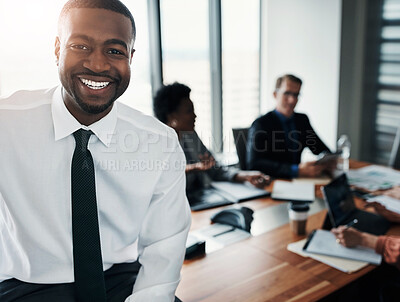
[
  {"x": 132, "y": 52},
  {"x": 170, "y": 118},
  {"x": 274, "y": 94},
  {"x": 57, "y": 49}
]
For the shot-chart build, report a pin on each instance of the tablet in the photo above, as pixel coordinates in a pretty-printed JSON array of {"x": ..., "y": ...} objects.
[{"x": 328, "y": 157}]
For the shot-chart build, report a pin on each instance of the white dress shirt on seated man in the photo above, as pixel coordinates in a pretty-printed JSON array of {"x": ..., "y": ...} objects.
[{"x": 140, "y": 184}]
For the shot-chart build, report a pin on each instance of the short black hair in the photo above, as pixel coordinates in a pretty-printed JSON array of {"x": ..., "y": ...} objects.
[
  {"x": 287, "y": 77},
  {"x": 112, "y": 5},
  {"x": 168, "y": 98}
]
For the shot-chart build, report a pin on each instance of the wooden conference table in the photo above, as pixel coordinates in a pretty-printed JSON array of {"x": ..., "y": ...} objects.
[{"x": 260, "y": 268}]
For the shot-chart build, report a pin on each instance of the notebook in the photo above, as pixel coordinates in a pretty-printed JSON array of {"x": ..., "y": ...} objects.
[
  {"x": 293, "y": 191},
  {"x": 342, "y": 264},
  {"x": 341, "y": 208},
  {"x": 324, "y": 242},
  {"x": 222, "y": 193}
]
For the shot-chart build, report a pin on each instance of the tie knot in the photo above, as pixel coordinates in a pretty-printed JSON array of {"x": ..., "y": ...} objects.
[{"x": 82, "y": 138}]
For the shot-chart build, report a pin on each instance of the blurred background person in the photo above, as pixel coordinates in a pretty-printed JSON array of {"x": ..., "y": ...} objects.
[
  {"x": 277, "y": 139},
  {"x": 172, "y": 106}
]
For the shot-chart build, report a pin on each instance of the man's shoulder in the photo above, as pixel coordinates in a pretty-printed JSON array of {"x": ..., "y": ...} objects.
[
  {"x": 301, "y": 117},
  {"x": 266, "y": 118},
  {"x": 146, "y": 123},
  {"x": 27, "y": 99}
]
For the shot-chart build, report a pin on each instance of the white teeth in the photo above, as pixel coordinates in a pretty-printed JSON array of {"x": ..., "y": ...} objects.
[{"x": 94, "y": 85}]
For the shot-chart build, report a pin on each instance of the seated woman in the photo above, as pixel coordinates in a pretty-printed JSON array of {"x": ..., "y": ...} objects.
[
  {"x": 387, "y": 246},
  {"x": 172, "y": 106}
]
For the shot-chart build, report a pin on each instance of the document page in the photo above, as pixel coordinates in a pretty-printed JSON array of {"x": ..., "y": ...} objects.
[{"x": 374, "y": 178}]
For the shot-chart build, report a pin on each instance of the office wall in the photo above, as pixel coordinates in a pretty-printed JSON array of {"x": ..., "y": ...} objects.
[
  {"x": 360, "y": 50},
  {"x": 303, "y": 37}
]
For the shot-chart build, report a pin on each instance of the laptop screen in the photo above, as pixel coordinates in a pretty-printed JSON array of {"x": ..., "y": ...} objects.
[{"x": 339, "y": 199}]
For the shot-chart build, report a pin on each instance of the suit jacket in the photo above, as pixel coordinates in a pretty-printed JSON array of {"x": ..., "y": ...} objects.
[{"x": 272, "y": 151}]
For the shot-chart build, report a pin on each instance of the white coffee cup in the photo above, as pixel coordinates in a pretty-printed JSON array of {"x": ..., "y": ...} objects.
[{"x": 298, "y": 214}]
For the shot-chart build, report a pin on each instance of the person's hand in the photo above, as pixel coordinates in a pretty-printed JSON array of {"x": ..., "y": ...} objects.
[
  {"x": 256, "y": 178},
  {"x": 330, "y": 167},
  {"x": 350, "y": 237},
  {"x": 394, "y": 192},
  {"x": 381, "y": 210},
  {"x": 310, "y": 169},
  {"x": 206, "y": 162}
]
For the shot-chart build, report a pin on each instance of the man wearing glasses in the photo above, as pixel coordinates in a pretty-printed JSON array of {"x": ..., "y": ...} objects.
[{"x": 277, "y": 139}]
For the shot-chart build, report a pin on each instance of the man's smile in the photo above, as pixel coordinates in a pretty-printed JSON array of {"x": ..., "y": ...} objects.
[{"x": 94, "y": 84}]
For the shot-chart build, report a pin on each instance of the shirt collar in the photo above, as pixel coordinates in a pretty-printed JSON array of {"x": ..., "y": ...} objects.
[
  {"x": 283, "y": 118},
  {"x": 65, "y": 123}
]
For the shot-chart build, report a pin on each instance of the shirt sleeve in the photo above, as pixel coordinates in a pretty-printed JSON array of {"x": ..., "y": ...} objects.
[
  {"x": 295, "y": 171},
  {"x": 162, "y": 240},
  {"x": 389, "y": 248},
  {"x": 314, "y": 143}
]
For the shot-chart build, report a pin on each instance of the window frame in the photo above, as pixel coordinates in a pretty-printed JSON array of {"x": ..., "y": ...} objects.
[{"x": 215, "y": 38}]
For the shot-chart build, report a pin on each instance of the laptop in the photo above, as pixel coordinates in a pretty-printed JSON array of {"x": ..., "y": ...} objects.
[
  {"x": 341, "y": 208},
  {"x": 207, "y": 198},
  {"x": 293, "y": 191},
  {"x": 221, "y": 193}
]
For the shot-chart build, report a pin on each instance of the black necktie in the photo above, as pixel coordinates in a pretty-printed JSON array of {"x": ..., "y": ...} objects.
[{"x": 88, "y": 264}]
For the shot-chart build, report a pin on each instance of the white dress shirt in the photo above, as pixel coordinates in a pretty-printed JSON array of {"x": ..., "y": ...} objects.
[{"x": 140, "y": 188}]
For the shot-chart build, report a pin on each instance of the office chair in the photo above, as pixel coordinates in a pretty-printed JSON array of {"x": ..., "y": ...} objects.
[
  {"x": 240, "y": 138},
  {"x": 394, "y": 160}
]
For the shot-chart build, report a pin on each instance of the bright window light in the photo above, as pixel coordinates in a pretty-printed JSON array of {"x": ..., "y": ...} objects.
[{"x": 27, "y": 59}]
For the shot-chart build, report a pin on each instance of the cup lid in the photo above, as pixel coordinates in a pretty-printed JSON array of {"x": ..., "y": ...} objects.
[{"x": 299, "y": 207}]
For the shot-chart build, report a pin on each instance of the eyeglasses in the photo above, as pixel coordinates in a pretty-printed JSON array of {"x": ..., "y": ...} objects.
[{"x": 289, "y": 93}]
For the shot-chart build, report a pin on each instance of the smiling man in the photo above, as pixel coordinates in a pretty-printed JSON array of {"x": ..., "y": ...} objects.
[
  {"x": 277, "y": 139},
  {"x": 92, "y": 198}
]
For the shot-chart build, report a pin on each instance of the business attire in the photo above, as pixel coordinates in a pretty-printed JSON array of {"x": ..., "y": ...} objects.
[
  {"x": 193, "y": 147},
  {"x": 142, "y": 208},
  {"x": 275, "y": 143}
]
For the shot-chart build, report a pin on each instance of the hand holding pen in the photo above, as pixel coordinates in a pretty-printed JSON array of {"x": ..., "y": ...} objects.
[
  {"x": 351, "y": 223},
  {"x": 348, "y": 236}
]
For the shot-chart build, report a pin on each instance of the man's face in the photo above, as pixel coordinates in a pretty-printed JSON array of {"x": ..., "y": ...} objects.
[
  {"x": 286, "y": 97},
  {"x": 94, "y": 51}
]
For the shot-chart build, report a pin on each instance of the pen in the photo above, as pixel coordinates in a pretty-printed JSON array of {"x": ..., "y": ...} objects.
[
  {"x": 224, "y": 232},
  {"x": 351, "y": 223}
]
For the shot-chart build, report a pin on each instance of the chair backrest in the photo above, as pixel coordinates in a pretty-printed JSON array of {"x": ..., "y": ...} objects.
[
  {"x": 240, "y": 138},
  {"x": 394, "y": 160}
]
